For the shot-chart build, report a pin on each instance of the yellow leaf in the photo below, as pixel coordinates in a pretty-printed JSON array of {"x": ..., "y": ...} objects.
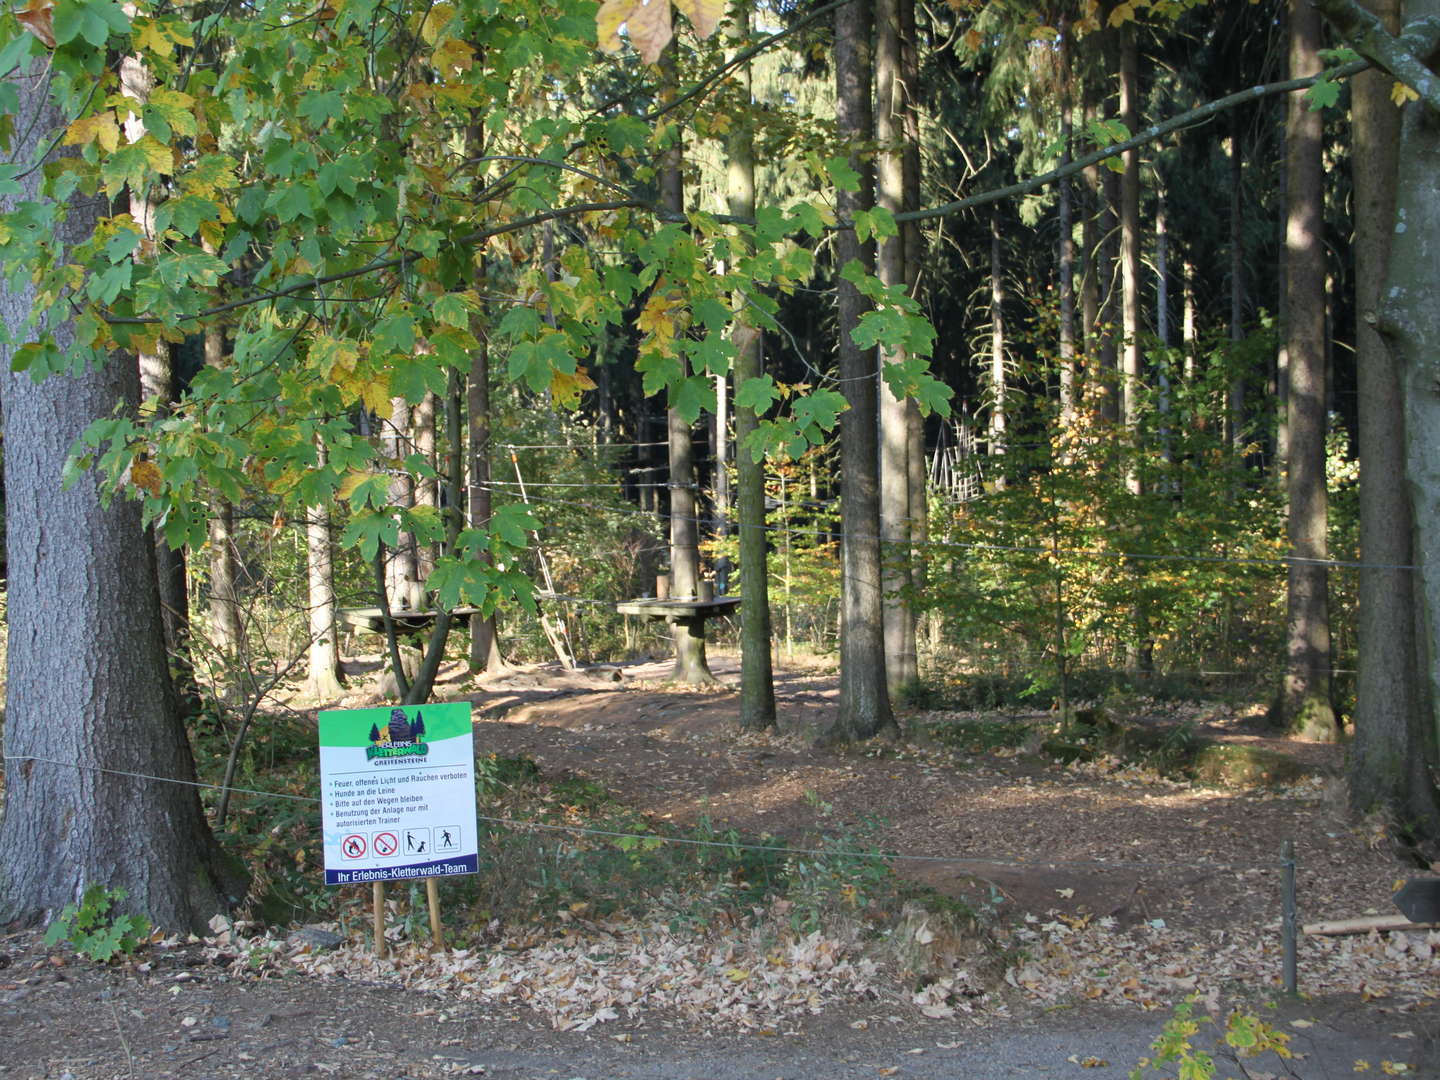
[
  {"x": 160, "y": 156},
  {"x": 350, "y": 483},
  {"x": 1123, "y": 13},
  {"x": 376, "y": 394},
  {"x": 159, "y": 36},
  {"x": 647, "y": 22},
  {"x": 1400, "y": 94},
  {"x": 145, "y": 474},
  {"x": 566, "y": 389},
  {"x": 608, "y": 20},
  {"x": 453, "y": 55},
  {"x": 99, "y": 127},
  {"x": 704, "y": 15},
  {"x": 435, "y": 21},
  {"x": 737, "y": 975}
]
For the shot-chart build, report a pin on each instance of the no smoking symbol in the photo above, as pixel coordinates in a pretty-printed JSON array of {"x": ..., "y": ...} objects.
[
  {"x": 386, "y": 843},
  {"x": 353, "y": 847}
]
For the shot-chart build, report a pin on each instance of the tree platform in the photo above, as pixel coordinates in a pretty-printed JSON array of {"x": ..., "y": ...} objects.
[
  {"x": 406, "y": 622},
  {"x": 680, "y": 611}
]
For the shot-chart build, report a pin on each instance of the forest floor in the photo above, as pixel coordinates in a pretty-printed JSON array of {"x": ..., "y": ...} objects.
[{"x": 1102, "y": 893}]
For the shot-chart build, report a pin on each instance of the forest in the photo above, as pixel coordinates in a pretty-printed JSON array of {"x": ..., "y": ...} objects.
[{"x": 1035, "y": 347}]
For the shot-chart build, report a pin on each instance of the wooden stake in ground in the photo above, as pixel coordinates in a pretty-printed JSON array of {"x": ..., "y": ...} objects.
[
  {"x": 378, "y": 899},
  {"x": 432, "y": 897}
]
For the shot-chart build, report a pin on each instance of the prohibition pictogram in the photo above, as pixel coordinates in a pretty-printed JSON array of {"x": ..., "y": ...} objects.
[
  {"x": 386, "y": 843},
  {"x": 353, "y": 846}
]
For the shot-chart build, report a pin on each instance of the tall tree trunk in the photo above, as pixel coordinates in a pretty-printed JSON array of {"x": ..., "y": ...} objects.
[
  {"x": 757, "y": 680},
  {"x": 1065, "y": 196},
  {"x": 998, "y": 418},
  {"x": 1111, "y": 308},
  {"x": 864, "y": 702},
  {"x": 402, "y": 571},
  {"x": 323, "y": 681},
  {"x": 1130, "y": 268},
  {"x": 1409, "y": 319},
  {"x": 1091, "y": 239},
  {"x": 901, "y": 670},
  {"x": 914, "y": 244},
  {"x": 1306, "y": 704},
  {"x": 688, "y": 635},
  {"x": 80, "y": 805},
  {"x": 484, "y": 640},
  {"x": 427, "y": 488},
  {"x": 226, "y": 632},
  {"x": 1235, "y": 406},
  {"x": 1394, "y": 747},
  {"x": 1163, "y": 370}
]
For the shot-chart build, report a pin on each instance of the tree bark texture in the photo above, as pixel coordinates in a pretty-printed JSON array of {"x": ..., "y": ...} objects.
[
  {"x": 427, "y": 488},
  {"x": 484, "y": 640},
  {"x": 864, "y": 702},
  {"x": 901, "y": 666},
  {"x": 402, "y": 572},
  {"x": 998, "y": 418},
  {"x": 1394, "y": 748},
  {"x": 1410, "y": 320},
  {"x": 323, "y": 681},
  {"x": 1065, "y": 209},
  {"x": 757, "y": 677},
  {"x": 1235, "y": 406},
  {"x": 1130, "y": 268},
  {"x": 1306, "y": 699},
  {"x": 88, "y": 685},
  {"x": 688, "y": 636}
]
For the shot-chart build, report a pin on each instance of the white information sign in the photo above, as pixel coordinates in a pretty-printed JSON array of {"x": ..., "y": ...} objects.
[{"x": 397, "y": 791}]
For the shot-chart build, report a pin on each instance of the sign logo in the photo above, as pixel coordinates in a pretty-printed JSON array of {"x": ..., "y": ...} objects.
[
  {"x": 447, "y": 839},
  {"x": 353, "y": 846},
  {"x": 385, "y": 843},
  {"x": 417, "y": 842},
  {"x": 400, "y": 738}
]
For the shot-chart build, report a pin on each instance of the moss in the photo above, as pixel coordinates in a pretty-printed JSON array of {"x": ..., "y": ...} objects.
[{"x": 1245, "y": 766}]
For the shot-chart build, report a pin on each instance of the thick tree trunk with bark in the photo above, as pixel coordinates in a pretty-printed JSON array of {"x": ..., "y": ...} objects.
[
  {"x": 864, "y": 702},
  {"x": 1394, "y": 747},
  {"x": 1409, "y": 319},
  {"x": 1306, "y": 699},
  {"x": 90, "y": 701},
  {"x": 757, "y": 679},
  {"x": 901, "y": 666}
]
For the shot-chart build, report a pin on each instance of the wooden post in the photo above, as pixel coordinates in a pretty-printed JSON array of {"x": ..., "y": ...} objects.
[
  {"x": 1288, "y": 918},
  {"x": 432, "y": 896},
  {"x": 378, "y": 898}
]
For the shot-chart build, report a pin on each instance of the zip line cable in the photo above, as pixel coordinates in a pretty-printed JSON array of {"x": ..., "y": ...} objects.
[{"x": 585, "y": 830}]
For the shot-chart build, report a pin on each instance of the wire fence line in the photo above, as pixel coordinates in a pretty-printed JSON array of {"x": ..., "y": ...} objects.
[
  {"x": 976, "y": 861},
  {"x": 1279, "y": 561}
]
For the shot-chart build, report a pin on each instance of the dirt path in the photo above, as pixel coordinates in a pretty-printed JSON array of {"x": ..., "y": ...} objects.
[{"x": 1121, "y": 893}]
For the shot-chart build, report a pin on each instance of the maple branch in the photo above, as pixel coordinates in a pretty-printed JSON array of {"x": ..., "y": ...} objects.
[
  {"x": 392, "y": 263},
  {"x": 1190, "y": 118}
]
